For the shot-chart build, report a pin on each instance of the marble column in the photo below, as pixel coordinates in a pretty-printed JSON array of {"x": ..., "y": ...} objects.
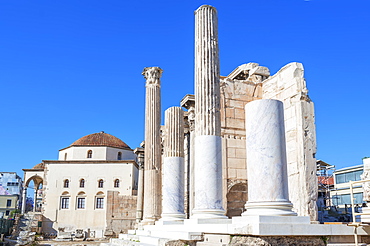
[
  {"x": 35, "y": 199},
  {"x": 266, "y": 159},
  {"x": 207, "y": 149},
  {"x": 24, "y": 197},
  {"x": 153, "y": 146},
  {"x": 140, "y": 186},
  {"x": 173, "y": 166}
]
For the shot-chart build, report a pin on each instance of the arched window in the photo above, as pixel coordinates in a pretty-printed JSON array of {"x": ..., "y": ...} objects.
[
  {"x": 119, "y": 156},
  {"x": 81, "y": 200},
  {"x": 99, "y": 200},
  {"x": 116, "y": 183},
  {"x": 65, "y": 156},
  {"x": 89, "y": 154},
  {"x": 100, "y": 183},
  {"x": 82, "y": 183},
  {"x": 66, "y": 183},
  {"x": 64, "y": 201}
]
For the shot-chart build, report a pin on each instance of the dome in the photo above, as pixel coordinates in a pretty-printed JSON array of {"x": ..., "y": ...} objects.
[{"x": 101, "y": 139}]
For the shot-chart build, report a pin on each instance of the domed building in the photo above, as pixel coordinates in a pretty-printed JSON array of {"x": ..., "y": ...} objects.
[{"x": 81, "y": 190}]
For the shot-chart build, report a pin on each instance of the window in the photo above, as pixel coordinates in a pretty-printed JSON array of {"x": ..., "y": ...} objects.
[
  {"x": 65, "y": 156},
  {"x": 64, "y": 203},
  {"x": 99, "y": 202},
  {"x": 100, "y": 183},
  {"x": 346, "y": 199},
  {"x": 119, "y": 156},
  {"x": 80, "y": 202},
  {"x": 66, "y": 183},
  {"x": 82, "y": 183},
  {"x": 350, "y": 176},
  {"x": 116, "y": 183},
  {"x": 8, "y": 203},
  {"x": 7, "y": 212},
  {"x": 89, "y": 154}
]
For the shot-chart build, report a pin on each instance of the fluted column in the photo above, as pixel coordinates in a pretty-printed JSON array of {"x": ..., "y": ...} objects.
[
  {"x": 153, "y": 147},
  {"x": 173, "y": 166},
  {"x": 266, "y": 159},
  {"x": 208, "y": 157},
  {"x": 140, "y": 190}
]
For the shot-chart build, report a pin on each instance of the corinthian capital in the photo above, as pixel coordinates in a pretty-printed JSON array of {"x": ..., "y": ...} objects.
[{"x": 152, "y": 75}]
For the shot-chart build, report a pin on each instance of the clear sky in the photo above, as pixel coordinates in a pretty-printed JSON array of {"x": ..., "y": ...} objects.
[{"x": 72, "y": 68}]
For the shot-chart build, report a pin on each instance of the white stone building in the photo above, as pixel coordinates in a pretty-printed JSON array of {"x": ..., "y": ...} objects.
[{"x": 78, "y": 187}]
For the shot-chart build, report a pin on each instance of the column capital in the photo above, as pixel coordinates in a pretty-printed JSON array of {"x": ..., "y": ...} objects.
[{"x": 152, "y": 75}]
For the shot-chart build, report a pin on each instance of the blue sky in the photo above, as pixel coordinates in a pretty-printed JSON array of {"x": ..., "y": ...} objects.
[{"x": 72, "y": 68}]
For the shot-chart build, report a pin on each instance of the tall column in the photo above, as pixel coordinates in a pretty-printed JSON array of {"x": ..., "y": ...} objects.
[
  {"x": 140, "y": 189},
  {"x": 207, "y": 151},
  {"x": 173, "y": 166},
  {"x": 24, "y": 197},
  {"x": 35, "y": 198},
  {"x": 266, "y": 159},
  {"x": 153, "y": 147}
]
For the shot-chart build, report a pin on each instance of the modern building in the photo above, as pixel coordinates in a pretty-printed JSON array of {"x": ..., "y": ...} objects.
[
  {"x": 11, "y": 182},
  {"x": 10, "y": 193},
  {"x": 79, "y": 188},
  {"x": 8, "y": 203},
  {"x": 341, "y": 194}
]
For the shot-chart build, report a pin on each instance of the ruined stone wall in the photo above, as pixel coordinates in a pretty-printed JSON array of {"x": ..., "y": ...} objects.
[
  {"x": 236, "y": 92},
  {"x": 288, "y": 85},
  {"x": 120, "y": 213}
]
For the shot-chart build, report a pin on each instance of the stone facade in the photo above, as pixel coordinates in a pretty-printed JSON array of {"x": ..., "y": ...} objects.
[{"x": 120, "y": 213}]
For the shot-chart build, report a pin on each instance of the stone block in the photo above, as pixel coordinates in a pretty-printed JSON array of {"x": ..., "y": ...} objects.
[
  {"x": 231, "y": 152},
  {"x": 239, "y": 113},
  {"x": 235, "y": 123},
  {"x": 240, "y": 153},
  {"x": 231, "y": 173},
  {"x": 230, "y": 112},
  {"x": 237, "y": 163}
]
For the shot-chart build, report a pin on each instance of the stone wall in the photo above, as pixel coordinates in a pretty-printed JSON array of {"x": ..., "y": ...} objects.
[
  {"x": 237, "y": 89},
  {"x": 120, "y": 213}
]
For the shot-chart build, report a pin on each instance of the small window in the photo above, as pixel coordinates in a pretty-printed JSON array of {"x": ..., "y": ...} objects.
[
  {"x": 82, "y": 183},
  {"x": 100, "y": 183},
  {"x": 119, "y": 156},
  {"x": 80, "y": 202},
  {"x": 89, "y": 154},
  {"x": 7, "y": 212},
  {"x": 66, "y": 183},
  {"x": 100, "y": 202},
  {"x": 116, "y": 183},
  {"x": 64, "y": 203},
  {"x": 65, "y": 156},
  {"x": 8, "y": 203}
]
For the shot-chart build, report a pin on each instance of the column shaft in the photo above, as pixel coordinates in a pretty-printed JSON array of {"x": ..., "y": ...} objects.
[
  {"x": 173, "y": 166},
  {"x": 153, "y": 147},
  {"x": 207, "y": 151},
  {"x": 266, "y": 159}
]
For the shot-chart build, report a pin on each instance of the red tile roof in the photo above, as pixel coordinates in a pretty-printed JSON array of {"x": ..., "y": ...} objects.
[
  {"x": 325, "y": 180},
  {"x": 101, "y": 139}
]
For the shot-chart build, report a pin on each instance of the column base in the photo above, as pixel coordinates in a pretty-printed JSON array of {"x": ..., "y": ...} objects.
[
  {"x": 172, "y": 217},
  {"x": 208, "y": 214},
  {"x": 269, "y": 209}
]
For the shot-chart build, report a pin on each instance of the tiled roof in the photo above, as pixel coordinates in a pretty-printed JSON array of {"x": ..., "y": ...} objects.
[
  {"x": 101, "y": 139},
  {"x": 39, "y": 166},
  {"x": 325, "y": 180}
]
